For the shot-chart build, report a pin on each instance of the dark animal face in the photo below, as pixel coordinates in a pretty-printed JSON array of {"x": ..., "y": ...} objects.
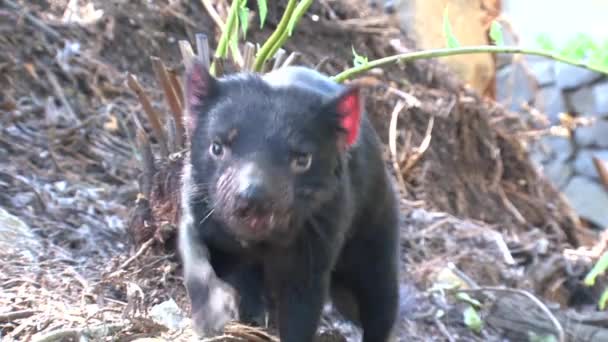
[{"x": 265, "y": 158}]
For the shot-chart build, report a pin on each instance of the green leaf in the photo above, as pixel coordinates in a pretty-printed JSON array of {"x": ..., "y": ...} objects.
[
  {"x": 603, "y": 300},
  {"x": 263, "y": 11},
  {"x": 244, "y": 19},
  {"x": 447, "y": 31},
  {"x": 496, "y": 33},
  {"x": 579, "y": 48},
  {"x": 533, "y": 337},
  {"x": 463, "y": 296},
  {"x": 358, "y": 60},
  {"x": 600, "y": 267},
  {"x": 545, "y": 42},
  {"x": 472, "y": 319}
]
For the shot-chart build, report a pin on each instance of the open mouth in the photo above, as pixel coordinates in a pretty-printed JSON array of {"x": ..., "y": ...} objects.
[{"x": 257, "y": 223}]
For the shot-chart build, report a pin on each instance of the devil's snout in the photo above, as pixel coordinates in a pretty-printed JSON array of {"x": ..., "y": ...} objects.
[{"x": 252, "y": 193}]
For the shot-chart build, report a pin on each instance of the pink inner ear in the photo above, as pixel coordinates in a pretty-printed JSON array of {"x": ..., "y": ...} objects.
[
  {"x": 350, "y": 109},
  {"x": 197, "y": 85}
]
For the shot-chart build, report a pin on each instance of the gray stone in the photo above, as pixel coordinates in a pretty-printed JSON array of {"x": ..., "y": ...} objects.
[
  {"x": 513, "y": 87},
  {"x": 589, "y": 199},
  {"x": 550, "y": 148},
  {"x": 561, "y": 147},
  {"x": 582, "y": 101},
  {"x": 583, "y": 164},
  {"x": 594, "y": 135},
  {"x": 570, "y": 77},
  {"x": 600, "y": 93},
  {"x": 559, "y": 172},
  {"x": 543, "y": 71},
  {"x": 168, "y": 314},
  {"x": 17, "y": 239},
  {"x": 550, "y": 101}
]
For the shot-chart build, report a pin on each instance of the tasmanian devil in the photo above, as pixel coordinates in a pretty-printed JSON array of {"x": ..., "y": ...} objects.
[{"x": 285, "y": 194}]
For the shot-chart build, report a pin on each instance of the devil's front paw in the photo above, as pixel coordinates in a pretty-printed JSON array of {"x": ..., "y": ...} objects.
[{"x": 213, "y": 309}]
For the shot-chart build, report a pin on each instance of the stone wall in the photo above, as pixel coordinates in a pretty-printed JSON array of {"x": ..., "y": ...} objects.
[{"x": 554, "y": 88}]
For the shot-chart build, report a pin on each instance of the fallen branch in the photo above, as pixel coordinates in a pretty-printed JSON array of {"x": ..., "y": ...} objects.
[
  {"x": 33, "y": 20},
  {"x": 14, "y": 315},
  {"x": 63, "y": 334}
]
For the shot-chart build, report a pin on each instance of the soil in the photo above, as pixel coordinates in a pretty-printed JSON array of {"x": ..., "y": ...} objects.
[{"x": 96, "y": 256}]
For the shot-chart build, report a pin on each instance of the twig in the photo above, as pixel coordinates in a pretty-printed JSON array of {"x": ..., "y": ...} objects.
[
  {"x": 213, "y": 14},
  {"x": 424, "y": 145},
  {"x": 141, "y": 251},
  {"x": 292, "y": 57},
  {"x": 147, "y": 160},
  {"x": 278, "y": 59},
  {"x": 170, "y": 96},
  {"x": 444, "y": 330},
  {"x": 33, "y": 20},
  {"x": 14, "y": 315},
  {"x": 202, "y": 48},
  {"x": 248, "y": 56},
  {"x": 152, "y": 114},
  {"x": 60, "y": 93},
  {"x": 466, "y": 50},
  {"x": 602, "y": 171},
  {"x": 510, "y": 206},
  {"x": 177, "y": 86},
  {"x": 463, "y": 276},
  {"x": 556, "y": 324},
  {"x": 392, "y": 142},
  {"x": 187, "y": 53},
  {"x": 62, "y": 334}
]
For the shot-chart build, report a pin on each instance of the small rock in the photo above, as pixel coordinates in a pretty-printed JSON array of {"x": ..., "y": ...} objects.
[
  {"x": 513, "y": 87},
  {"x": 582, "y": 101},
  {"x": 17, "y": 239},
  {"x": 600, "y": 92},
  {"x": 168, "y": 314},
  {"x": 548, "y": 148},
  {"x": 594, "y": 135},
  {"x": 570, "y": 77},
  {"x": 543, "y": 71},
  {"x": 589, "y": 199},
  {"x": 561, "y": 147},
  {"x": 550, "y": 100},
  {"x": 559, "y": 172},
  {"x": 583, "y": 164}
]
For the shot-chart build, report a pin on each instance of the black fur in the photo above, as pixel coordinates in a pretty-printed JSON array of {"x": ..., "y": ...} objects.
[{"x": 336, "y": 223}]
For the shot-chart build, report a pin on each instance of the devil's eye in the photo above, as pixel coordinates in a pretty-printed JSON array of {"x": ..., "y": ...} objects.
[
  {"x": 301, "y": 162},
  {"x": 216, "y": 149}
]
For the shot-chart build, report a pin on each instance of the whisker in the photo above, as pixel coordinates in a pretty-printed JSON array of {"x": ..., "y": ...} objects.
[{"x": 206, "y": 217}]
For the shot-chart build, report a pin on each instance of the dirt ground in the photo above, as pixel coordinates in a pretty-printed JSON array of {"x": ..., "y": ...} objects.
[{"x": 475, "y": 212}]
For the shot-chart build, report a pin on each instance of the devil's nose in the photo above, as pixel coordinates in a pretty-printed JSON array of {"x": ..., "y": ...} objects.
[{"x": 250, "y": 198}]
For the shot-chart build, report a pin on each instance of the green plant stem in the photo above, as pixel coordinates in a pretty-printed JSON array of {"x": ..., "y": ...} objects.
[
  {"x": 426, "y": 54},
  {"x": 295, "y": 18},
  {"x": 263, "y": 54},
  {"x": 222, "y": 46}
]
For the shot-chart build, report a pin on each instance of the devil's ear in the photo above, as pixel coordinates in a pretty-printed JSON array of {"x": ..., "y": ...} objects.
[
  {"x": 200, "y": 86},
  {"x": 349, "y": 106}
]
